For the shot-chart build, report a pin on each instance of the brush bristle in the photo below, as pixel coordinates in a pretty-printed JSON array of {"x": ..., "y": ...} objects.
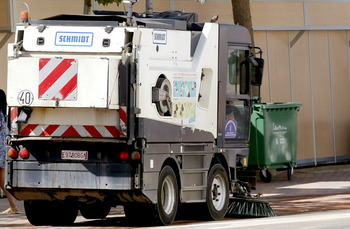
[{"x": 250, "y": 207}]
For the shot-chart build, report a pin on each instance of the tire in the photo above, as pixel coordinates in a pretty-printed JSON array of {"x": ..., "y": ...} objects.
[
  {"x": 140, "y": 214},
  {"x": 164, "y": 212},
  {"x": 37, "y": 212},
  {"x": 167, "y": 196},
  {"x": 67, "y": 212},
  {"x": 265, "y": 176},
  {"x": 217, "y": 192},
  {"x": 42, "y": 212},
  {"x": 131, "y": 211},
  {"x": 96, "y": 210}
]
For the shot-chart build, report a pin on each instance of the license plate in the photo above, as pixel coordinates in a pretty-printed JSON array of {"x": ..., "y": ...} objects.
[{"x": 74, "y": 155}]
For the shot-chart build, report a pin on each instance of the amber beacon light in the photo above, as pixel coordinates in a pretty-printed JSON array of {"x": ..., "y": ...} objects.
[{"x": 24, "y": 17}]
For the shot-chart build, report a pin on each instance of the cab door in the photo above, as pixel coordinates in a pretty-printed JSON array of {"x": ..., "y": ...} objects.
[{"x": 234, "y": 99}]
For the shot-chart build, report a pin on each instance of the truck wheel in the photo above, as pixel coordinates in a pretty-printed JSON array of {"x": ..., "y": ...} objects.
[
  {"x": 167, "y": 196},
  {"x": 67, "y": 212},
  {"x": 37, "y": 212},
  {"x": 140, "y": 214},
  {"x": 217, "y": 192},
  {"x": 96, "y": 210},
  {"x": 43, "y": 212}
]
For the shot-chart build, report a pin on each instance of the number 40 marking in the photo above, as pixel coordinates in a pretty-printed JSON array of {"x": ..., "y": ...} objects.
[{"x": 25, "y": 98}]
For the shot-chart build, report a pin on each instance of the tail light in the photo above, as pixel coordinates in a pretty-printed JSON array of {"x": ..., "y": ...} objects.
[
  {"x": 12, "y": 153},
  {"x": 23, "y": 153},
  {"x": 124, "y": 155},
  {"x": 135, "y": 155}
]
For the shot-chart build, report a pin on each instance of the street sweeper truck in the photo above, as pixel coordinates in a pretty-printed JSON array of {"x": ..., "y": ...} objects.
[{"x": 146, "y": 112}]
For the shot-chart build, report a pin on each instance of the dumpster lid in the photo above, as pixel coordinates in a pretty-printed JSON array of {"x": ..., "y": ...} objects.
[{"x": 278, "y": 105}]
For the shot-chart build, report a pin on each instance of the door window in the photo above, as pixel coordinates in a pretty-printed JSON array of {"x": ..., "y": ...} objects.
[
  {"x": 237, "y": 119},
  {"x": 237, "y": 82}
]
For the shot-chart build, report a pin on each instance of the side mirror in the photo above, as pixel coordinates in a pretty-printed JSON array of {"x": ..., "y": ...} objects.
[
  {"x": 244, "y": 77},
  {"x": 257, "y": 72}
]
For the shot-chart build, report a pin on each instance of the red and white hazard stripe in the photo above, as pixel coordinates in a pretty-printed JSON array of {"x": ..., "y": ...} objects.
[
  {"x": 70, "y": 131},
  {"x": 123, "y": 120},
  {"x": 14, "y": 123},
  {"x": 58, "y": 79}
]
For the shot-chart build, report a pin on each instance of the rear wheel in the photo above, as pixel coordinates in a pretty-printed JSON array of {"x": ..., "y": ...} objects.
[
  {"x": 37, "y": 212},
  {"x": 217, "y": 192},
  {"x": 164, "y": 212},
  {"x": 96, "y": 210},
  {"x": 167, "y": 196},
  {"x": 43, "y": 212},
  {"x": 140, "y": 214}
]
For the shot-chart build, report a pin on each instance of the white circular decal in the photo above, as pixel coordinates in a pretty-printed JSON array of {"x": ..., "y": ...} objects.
[{"x": 25, "y": 98}]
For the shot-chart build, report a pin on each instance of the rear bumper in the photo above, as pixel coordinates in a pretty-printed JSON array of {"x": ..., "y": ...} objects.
[{"x": 89, "y": 176}]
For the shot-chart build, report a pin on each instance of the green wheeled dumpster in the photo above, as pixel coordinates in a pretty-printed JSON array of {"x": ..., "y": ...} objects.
[{"x": 273, "y": 138}]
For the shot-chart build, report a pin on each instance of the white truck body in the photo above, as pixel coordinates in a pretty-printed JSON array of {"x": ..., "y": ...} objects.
[{"x": 112, "y": 113}]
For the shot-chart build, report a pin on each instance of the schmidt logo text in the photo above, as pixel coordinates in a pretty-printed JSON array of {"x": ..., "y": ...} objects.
[
  {"x": 159, "y": 37},
  {"x": 74, "y": 39}
]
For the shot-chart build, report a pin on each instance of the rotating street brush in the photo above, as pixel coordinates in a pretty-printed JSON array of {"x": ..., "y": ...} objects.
[
  {"x": 243, "y": 204},
  {"x": 249, "y": 207}
]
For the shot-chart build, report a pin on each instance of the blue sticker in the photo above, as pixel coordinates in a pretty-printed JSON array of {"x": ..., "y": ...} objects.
[
  {"x": 159, "y": 37},
  {"x": 84, "y": 39},
  {"x": 230, "y": 128},
  {"x": 184, "y": 89}
]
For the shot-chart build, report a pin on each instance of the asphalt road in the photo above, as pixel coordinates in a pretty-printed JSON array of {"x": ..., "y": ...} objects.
[
  {"x": 317, "y": 197},
  {"x": 330, "y": 219}
]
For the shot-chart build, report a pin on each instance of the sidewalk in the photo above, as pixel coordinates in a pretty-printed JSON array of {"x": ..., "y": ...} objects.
[
  {"x": 4, "y": 204},
  {"x": 12, "y": 220},
  {"x": 323, "y": 180},
  {"x": 310, "y": 189}
]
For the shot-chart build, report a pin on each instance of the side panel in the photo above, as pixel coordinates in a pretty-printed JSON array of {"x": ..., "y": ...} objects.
[
  {"x": 184, "y": 73},
  {"x": 191, "y": 163},
  {"x": 154, "y": 157},
  {"x": 155, "y": 131}
]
